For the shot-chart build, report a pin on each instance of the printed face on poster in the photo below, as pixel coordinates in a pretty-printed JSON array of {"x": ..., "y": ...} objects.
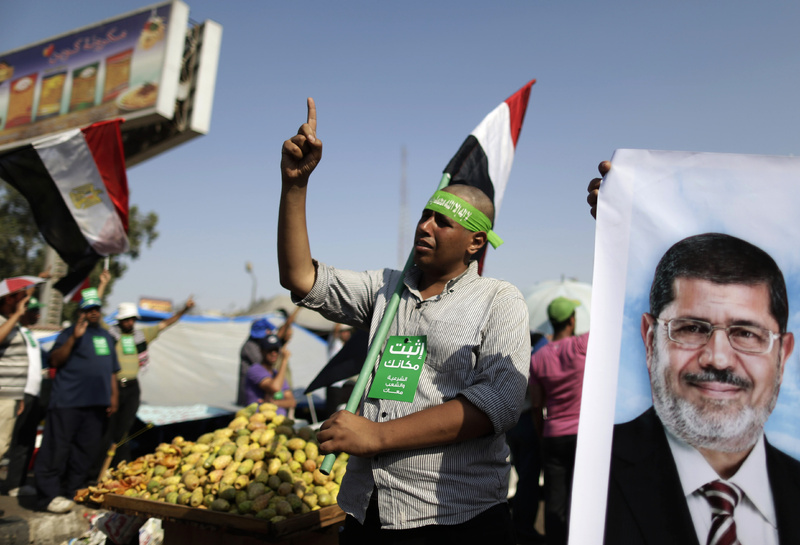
[{"x": 650, "y": 201}]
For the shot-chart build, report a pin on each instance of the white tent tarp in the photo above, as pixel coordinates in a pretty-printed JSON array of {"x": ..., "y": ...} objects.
[{"x": 197, "y": 361}]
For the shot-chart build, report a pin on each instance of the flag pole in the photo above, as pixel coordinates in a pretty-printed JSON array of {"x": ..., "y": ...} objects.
[{"x": 377, "y": 343}]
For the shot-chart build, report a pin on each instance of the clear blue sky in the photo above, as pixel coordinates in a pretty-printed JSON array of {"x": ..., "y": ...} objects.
[{"x": 705, "y": 76}]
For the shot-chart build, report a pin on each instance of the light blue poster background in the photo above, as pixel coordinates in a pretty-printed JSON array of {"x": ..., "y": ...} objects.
[{"x": 677, "y": 194}]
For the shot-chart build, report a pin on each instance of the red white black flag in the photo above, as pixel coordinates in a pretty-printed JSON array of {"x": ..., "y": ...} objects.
[
  {"x": 77, "y": 187},
  {"x": 485, "y": 158}
]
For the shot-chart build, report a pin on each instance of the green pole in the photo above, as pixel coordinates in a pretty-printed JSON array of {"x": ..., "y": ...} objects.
[{"x": 377, "y": 343}]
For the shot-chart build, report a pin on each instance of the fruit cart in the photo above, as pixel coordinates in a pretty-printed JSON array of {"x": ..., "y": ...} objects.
[
  {"x": 184, "y": 524},
  {"x": 255, "y": 480}
]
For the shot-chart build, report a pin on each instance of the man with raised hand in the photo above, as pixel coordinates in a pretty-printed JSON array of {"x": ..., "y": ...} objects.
[
  {"x": 132, "y": 346},
  {"x": 14, "y": 361},
  {"x": 84, "y": 396},
  {"x": 428, "y": 450},
  {"x": 20, "y": 378},
  {"x": 31, "y": 407},
  {"x": 250, "y": 354}
]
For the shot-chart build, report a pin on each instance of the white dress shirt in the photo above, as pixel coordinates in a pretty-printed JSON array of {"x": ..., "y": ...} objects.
[{"x": 756, "y": 521}]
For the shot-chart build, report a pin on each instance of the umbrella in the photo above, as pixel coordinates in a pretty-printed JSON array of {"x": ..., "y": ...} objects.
[
  {"x": 17, "y": 283},
  {"x": 541, "y": 294}
]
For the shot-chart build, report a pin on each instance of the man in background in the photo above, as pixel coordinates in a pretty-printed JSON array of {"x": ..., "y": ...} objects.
[
  {"x": 20, "y": 379},
  {"x": 84, "y": 396},
  {"x": 251, "y": 349},
  {"x": 266, "y": 381},
  {"x": 31, "y": 409},
  {"x": 14, "y": 362},
  {"x": 132, "y": 353},
  {"x": 556, "y": 385},
  {"x": 33, "y": 311},
  {"x": 338, "y": 338}
]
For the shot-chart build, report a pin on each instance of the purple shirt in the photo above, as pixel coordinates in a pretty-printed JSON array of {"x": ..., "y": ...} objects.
[
  {"x": 253, "y": 392},
  {"x": 558, "y": 369}
]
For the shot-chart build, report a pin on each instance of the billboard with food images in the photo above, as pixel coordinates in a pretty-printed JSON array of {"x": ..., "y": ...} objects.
[{"x": 126, "y": 67}]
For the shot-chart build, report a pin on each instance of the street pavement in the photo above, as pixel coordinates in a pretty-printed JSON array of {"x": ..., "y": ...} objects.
[{"x": 22, "y": 524}]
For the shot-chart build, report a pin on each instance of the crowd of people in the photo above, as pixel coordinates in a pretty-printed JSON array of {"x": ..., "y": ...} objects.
[
  {"x": 85, "y": 389},
  {"x": 430, "y": 460}
]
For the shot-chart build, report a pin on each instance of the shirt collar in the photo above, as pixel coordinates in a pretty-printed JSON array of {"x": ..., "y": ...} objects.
[
  {"x": 694, "y": 472},
  {"x": 413, "y": 275}
]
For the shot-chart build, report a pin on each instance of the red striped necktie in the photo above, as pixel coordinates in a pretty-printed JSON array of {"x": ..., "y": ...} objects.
[{"x": 722, "y": 496}]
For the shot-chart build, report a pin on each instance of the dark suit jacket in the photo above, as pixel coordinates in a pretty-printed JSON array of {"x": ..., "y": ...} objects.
[{"x": 645, "y": 499}]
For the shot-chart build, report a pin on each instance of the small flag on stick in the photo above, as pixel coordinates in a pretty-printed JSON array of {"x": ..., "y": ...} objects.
[{"x": 77, "y": 187}]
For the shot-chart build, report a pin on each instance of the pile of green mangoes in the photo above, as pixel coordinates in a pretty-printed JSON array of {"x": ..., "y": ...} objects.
[{"x": 259, "y": 465}]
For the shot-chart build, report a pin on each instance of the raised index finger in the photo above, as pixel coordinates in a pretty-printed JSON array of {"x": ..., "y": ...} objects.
[{"x": 312, "y": 115}]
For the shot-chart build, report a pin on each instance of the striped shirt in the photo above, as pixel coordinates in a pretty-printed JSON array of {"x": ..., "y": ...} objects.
[
  {"x": 13, "y": 364},
  {"x": 478, "y": 347}
]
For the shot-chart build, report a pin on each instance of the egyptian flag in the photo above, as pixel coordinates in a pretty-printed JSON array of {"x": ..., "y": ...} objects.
[
  {"x": 77, "y": 188},
  {"x": 485, "y": 158}
]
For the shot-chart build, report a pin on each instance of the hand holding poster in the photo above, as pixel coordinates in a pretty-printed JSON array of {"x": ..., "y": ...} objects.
[{"x": 714, "y": 234}]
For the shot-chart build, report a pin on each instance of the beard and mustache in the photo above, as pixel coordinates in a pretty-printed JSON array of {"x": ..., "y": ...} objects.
[{"x": 724, "y": 425}]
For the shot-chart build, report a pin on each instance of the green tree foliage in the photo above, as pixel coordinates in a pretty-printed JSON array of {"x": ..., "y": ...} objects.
[{"x": 22, "y": 246}]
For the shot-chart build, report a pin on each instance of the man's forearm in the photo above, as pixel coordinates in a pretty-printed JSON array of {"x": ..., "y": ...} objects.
[
  {"x": 537, "y": 415},
  {"x": 274, "y": 384},
  {"x": 285, "y": 403},
  {"x": 8, "y": 326},
  {"x": 59, "y": 356},
  {"x": 114, "y": 394},
  {"x": 537, "y": 406},
  {"x": 270, "y": 385},
  {"x": 297, "y": 272},
  {"x": 284, "y": 329},
  {"x": 164, "y": 324},
  {"x": 451, "y": 422},
  {"x": 281, "y": 375}
]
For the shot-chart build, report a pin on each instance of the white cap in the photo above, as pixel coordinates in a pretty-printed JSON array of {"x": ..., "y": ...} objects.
[{"x": 127, "y": 310}]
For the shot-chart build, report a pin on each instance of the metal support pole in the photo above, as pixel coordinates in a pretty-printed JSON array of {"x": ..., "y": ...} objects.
[{"x": 51, "y": 298}]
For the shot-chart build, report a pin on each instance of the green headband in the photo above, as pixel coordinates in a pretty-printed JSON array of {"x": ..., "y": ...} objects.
[{"x": 466, "y": 215}]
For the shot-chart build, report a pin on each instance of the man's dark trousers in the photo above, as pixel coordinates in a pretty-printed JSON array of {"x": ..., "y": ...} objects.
[
  {"x": 119, "y": 424},
  {"x": 69, "y": 444}
]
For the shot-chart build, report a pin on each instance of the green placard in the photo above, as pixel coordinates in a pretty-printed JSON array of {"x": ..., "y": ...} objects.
[
  {"x": 101, "y": 346},
  {"x": 398, "y": 374},
  {"x": 128, "y": 344},
  {"x": 90, "y": 293}
]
